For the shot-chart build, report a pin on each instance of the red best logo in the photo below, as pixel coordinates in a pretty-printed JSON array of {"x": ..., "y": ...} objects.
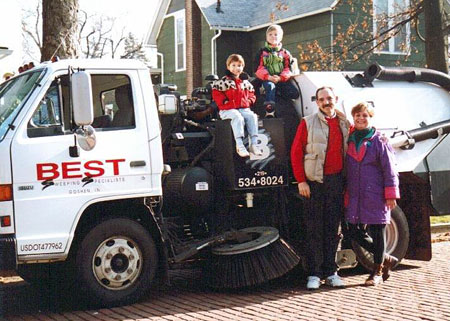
[{"x": 93, "y": 168}]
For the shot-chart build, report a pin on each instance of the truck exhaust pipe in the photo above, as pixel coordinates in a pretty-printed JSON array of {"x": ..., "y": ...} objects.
[{"x": 375, "y": 71}]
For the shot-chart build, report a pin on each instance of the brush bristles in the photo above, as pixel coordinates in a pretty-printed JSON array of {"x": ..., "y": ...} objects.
[{"x": 251, "y": 268}]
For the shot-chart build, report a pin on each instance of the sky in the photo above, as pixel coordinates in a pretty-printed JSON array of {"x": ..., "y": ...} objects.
[{"x": 135, "y": 15}]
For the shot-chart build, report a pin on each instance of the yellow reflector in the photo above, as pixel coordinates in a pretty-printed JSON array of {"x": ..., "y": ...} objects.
[{"x": 5, "y": 192}]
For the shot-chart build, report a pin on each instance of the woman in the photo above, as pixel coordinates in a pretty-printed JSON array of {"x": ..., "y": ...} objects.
[{"x": 372, "y": 190}]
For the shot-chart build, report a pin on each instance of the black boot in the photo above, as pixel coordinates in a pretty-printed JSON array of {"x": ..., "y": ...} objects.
[
  {"x": 388, "y": 264},
  {"x": 376, "y": 277}
]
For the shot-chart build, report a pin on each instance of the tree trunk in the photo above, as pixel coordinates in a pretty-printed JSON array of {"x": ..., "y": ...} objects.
[
  {"x": 436, "y": 44},
  {"x": 59, "y": 29}
]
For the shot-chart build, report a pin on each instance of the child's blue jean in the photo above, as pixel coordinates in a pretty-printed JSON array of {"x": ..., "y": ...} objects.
[
  {"x": 286, "y": 89},
  {"x": 239, "y": 118},
  {"x": 270, "y": 89}
]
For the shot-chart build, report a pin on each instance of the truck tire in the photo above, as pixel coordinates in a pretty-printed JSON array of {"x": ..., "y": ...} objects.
[
  {"x": 397, "y": 240},
  {"x": 116, "y": 262}
]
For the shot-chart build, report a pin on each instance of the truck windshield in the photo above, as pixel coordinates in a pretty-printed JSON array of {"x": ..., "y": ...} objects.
[{"x": 13, "y": 93}]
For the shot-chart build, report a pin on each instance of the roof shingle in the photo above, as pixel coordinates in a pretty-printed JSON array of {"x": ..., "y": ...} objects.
[{"x": 250, "y": 14}]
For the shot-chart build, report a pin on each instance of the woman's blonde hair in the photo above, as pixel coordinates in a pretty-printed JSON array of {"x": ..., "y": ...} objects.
[
  {"x": 235, "y": 57},
  {"x": 363, "y": 106}
]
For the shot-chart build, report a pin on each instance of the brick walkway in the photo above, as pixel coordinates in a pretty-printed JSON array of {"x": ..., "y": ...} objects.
[{"x": 416, "y": 291}]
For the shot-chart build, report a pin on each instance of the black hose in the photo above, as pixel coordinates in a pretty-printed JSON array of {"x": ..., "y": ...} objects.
[
  {"x": 430, "y": 131},
  {"x": 375, "y": 71}
]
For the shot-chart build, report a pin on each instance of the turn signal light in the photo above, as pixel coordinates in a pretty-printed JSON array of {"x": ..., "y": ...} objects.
[
  {"x": 5, "y": 193},
  {"x": 5, "y": 221}
]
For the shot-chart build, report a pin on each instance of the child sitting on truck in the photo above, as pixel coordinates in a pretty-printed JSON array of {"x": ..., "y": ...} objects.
[
  {"x": 274, "y": 69},
  {"x": 234, "y": 95}
]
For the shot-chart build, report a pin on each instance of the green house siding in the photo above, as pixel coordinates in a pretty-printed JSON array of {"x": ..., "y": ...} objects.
[
  {"x": 234, "y": 42},
  {"x": 166, "y": 45},
  {"x": 207, "y": 35},
  {"x": 301, "y": 31},
  {"x": 322, "y": 28},
  {"x": 343, "y": 16}
]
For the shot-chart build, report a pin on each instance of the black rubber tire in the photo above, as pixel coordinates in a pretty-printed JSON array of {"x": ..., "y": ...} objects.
[
  {"x": 397, "y": 240},
  {"x": 140, "y": 240}
]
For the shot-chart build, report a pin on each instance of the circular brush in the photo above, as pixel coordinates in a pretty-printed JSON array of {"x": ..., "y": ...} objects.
[{"x": 258, "y": 258}]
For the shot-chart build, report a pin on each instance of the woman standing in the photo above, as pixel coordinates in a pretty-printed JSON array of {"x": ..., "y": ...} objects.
[{"x": 372, "y": 190}]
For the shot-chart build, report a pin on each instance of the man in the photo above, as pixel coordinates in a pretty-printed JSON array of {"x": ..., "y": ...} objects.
[{"x": 317, "y": 157}]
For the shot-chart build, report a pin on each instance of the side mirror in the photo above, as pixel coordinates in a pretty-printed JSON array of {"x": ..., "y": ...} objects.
[
  {"x": 83, "y": 106},
  {"x": 168, "y": 104},
  {"x": 86, "y": 137}
]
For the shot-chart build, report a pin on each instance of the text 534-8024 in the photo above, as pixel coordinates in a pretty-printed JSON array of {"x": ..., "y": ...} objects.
[{"x": 260, "y": 181}]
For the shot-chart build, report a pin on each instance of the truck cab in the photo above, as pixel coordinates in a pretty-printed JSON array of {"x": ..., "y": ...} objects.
[{"x": 52, "y": 179}]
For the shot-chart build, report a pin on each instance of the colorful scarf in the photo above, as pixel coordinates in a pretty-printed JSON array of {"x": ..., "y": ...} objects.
[
  {"x": 273, "y": 61},
  {"x": 358, "y": 136}
]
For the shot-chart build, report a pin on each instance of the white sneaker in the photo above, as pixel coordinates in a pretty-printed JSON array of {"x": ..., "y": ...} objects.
[
  {"x": 255, "y": 150},
  {"x": 313, "y": 283},
  {"x": 242, "y": 151},
  {"x": 335, "y": 281}
]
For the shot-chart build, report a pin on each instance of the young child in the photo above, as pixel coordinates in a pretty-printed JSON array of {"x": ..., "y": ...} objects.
[
  {"x": 274, "y": 69},
  {"x": 234, "y": 95}
]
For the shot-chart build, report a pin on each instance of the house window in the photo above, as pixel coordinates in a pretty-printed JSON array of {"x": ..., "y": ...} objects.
[
  {"x": 391, "y": 37},
  {"x": 180, "y": 41}
]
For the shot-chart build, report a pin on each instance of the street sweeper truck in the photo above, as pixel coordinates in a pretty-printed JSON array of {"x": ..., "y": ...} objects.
[{"x": 105, "y": 185}]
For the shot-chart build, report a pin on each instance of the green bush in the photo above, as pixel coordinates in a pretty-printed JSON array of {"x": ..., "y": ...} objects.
[{"x": 440, "y": 219}]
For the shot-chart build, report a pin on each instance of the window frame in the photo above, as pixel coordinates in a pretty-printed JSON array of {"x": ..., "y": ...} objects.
[
  {"x": 57, "y": 129},
  {"x": 102, "y": 95},
  {"x": 181, "y": 14},
  {"x": 389, "y": 48}
]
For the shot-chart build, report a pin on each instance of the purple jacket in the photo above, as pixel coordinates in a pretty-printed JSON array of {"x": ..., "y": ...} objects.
[{"x": 371, "y": 179}]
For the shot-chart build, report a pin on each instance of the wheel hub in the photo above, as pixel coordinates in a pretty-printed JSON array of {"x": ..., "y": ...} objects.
[
  {"x": 117, "y": 263},
  {"x": 392, "y": 235}
]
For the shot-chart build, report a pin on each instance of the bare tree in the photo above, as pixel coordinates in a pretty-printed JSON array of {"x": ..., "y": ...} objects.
[
  {"x": 59, "y": 29},
  {"x": 133, "y": 49},
  {"x": 31, "y": 30},
  {"x": 95, "y": 36}
]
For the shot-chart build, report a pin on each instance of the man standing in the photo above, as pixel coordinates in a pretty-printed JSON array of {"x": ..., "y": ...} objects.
[{"x": 317, "y": 157}]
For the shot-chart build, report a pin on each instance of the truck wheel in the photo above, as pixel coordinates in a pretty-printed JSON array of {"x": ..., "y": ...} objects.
[
  {"x": 397, "y": 240},
  {"x": 116, "y": 262}
]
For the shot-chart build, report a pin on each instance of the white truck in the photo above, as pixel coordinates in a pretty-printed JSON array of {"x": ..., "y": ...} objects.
[{"x": 88, "y": 158}]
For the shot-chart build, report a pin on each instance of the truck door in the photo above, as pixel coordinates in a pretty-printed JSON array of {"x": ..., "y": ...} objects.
[{"x": 51, "y": 188}]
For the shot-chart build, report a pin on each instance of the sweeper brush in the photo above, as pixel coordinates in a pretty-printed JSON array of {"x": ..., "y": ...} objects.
[{"x": 262, "y": 257}]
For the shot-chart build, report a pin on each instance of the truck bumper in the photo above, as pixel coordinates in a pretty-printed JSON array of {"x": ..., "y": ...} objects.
[{"x": 8, "y": 257}]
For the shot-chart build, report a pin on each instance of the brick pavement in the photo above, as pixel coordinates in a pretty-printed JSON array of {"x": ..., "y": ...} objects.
[{"x": 416, "y": 291}]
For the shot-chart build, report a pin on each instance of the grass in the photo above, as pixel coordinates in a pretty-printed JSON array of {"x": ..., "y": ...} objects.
[{"x": 440, "y": 219}]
